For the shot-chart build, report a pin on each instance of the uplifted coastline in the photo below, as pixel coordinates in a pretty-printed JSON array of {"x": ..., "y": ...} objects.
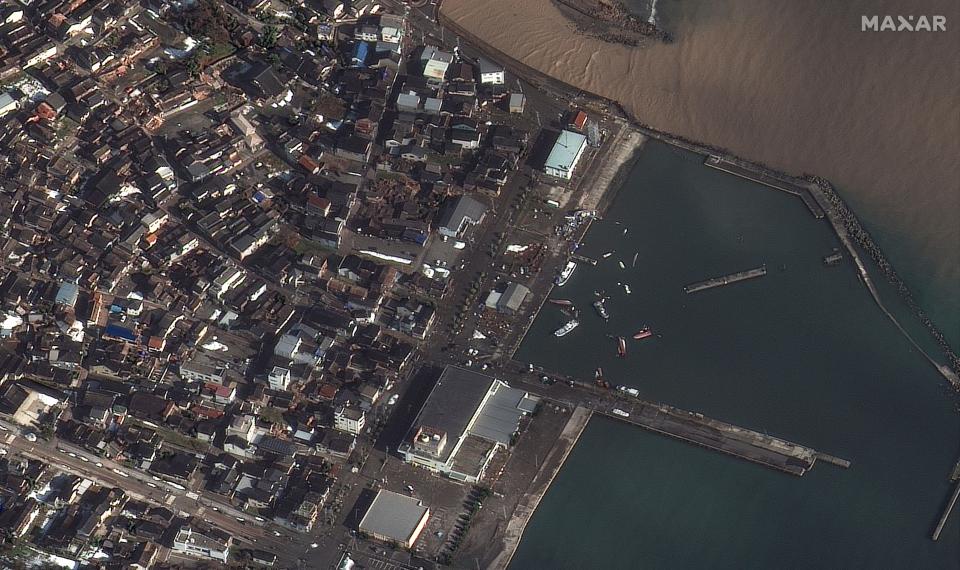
[{"x": 611, "y": 21}]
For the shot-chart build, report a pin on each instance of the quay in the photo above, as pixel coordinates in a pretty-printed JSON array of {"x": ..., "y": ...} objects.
[
  {"x": 946, "y": 512},
  {"x": 726, "y": 279},
  {"x": 742, "y": 443},
  {"x": 538, "y": 487},
  {"x": 833, "y": 460},
  {"x": 730, "y": 167}
]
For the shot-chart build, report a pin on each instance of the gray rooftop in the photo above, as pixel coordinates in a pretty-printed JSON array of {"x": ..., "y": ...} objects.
[
  {"x": 453, "y": 401},
  {"x": 500, "y": 416},
  {"x": 513, "y": 296},
  {"x": 393, "y": 515},
  {"x": 461, "y": 209}
]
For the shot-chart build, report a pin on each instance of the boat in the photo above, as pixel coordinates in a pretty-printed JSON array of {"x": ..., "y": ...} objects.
[
  {"x": 598, "y": 373},
  {"x": 606, "y": 255},
  {"x": 624, "y": 231},
  {"x": 621, "y": 413},
  {"x": 566, "y": 273},
  {"x": 642, "y": 333},
  {"x": 601, "y": 309},
  {"x": 622, "y": 266},
  {"x": 635, "y": 256},
  {"x": 621, "y": 347},
  {"x": 565, "y": 329},
  {"x": 627, "y": 288},
  {"x": 561, "y": 302}
]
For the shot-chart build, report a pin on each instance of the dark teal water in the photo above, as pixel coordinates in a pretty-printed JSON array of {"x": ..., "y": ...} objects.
[{"x": 801, "y": 353}]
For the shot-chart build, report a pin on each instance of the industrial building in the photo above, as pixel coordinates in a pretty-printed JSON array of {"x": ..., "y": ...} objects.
[
  {"x": 465, "y": 419},
  {"x": 393, "y": 517},
  {"x": 565, "y": 155}
]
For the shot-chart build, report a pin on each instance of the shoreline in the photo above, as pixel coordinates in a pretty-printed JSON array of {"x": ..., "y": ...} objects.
[
  {"x": 527, "y": 506},
  {"x": 843, "y": 220}
]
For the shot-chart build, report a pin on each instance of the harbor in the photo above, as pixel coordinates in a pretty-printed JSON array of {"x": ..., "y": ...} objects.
[{"x": 726, "y": 279}]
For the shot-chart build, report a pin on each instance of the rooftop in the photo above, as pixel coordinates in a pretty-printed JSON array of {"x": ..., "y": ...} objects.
[{"x": 395, "y": 516}]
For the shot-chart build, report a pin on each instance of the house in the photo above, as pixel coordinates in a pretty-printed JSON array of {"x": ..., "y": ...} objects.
[
  {"x": 8, "y": 104},
  {"x": 517, "y": 102},
  {"x": 211, "y": 544},
  {"x": 349, "y": 420},
  {"x": 491, "y": 73},
  {"x": 279, "y": 378},
  {"x": 459, "y": 214},
  {"x": 435, "y": 62}
]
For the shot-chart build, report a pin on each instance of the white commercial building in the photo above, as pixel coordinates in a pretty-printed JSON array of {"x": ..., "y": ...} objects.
[{"x": 565, "y": 154}]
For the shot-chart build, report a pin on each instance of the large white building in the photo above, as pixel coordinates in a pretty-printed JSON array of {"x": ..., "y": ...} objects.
[
  {"x": 466, "y": 418},
  {"x": 349, "y": 420},
  {"x": 565, "y": 155},
  {"x": 393, "y": 517},
  {"x": 212, "y": 545}
]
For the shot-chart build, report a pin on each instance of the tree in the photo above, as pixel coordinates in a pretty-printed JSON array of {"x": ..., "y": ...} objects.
[{"x": 269, "y": 37}]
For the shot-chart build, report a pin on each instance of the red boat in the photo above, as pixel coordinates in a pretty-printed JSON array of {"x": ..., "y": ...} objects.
[
  {"x": 643, "y": 333},
  {"x": 621, "y": 347}
]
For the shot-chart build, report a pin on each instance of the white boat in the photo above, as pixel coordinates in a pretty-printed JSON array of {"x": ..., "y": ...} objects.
[
  {"x": 566, "y": 273},
  {"x": 606, "y": 255},
  {"x": 626, "y": 288},
  {"x": 622, "y": 266},
  {"x": 565, "y": 329},
  {"x": 621, "y": 413}
]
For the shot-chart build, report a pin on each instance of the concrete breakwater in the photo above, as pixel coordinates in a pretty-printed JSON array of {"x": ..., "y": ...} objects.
[{"x": 726, "y": 280}]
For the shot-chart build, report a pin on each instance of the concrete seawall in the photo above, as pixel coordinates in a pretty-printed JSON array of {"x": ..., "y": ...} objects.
[{"x": 540, "y": 485}]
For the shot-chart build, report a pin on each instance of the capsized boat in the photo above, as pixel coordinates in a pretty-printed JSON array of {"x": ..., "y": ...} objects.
[
  {"x": 561, "y": 302},
  {"x": 565, "y": 329},
  {"x": 643, "y": 333}
]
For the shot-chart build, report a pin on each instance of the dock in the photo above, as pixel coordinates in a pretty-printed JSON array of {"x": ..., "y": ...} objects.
[
  {"x": 716, "y": 435},
  {"x": 804, "y": 194},
  {"x": 726, "y": 279},
  {"x": 583, "y": 259},
  {"x": 946, "y": 512},
  {"x": 955, "y": 474},
  {"x": 833, "y": 460}
]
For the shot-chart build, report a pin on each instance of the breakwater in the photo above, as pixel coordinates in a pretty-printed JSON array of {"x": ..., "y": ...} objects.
[{"x": 726, "y": 279}]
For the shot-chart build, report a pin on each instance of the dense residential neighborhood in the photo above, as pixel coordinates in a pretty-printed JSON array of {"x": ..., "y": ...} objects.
[{"x": 235, "y": 238}]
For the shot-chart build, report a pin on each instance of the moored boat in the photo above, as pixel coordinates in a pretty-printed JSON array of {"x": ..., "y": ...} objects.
[
  {"x": 601, "y": 308},
  {"x": 566, "y": 273},
  {"x": 621, "y": 413},
  {"x": 642, "y": 333},
  {"x": 565, "y": 329}
]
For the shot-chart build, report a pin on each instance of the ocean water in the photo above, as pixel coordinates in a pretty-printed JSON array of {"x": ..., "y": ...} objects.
[
  {"x": 794, "y": 84},
  {"x": 802, "y": 353}
]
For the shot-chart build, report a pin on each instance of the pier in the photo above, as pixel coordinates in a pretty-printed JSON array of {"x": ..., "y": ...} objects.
[
  {"x": 742, "y": 443},
  {"x": 726, "y": 279},
  {"x": 946, "y": 512},
  {"x": 730, "y": 167},
  {"x": 583, "y": 259},
  {"x": 833, "y": 460}
]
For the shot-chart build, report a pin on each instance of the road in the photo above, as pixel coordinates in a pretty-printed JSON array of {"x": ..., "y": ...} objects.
[{"x": 140, "y": 485}]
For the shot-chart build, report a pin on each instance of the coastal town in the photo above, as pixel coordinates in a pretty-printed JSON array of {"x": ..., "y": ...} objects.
[
  {"x": 265, "y": 269},
  {"x": 265, "y": 266}
]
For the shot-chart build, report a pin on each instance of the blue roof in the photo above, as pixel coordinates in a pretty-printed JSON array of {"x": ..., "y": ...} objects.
[
  {"x": 360, "y": 53},
  {"x": 120, "y": 332},
  {"x": 565, "y": 150}
]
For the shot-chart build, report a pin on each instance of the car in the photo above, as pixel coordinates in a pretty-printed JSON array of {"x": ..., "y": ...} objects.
[
  {"x": 119, "y": 472},
  {"x": 3, "y": 450},
  {"x": 314, "y": 545},
  {"x": 98, "y": 464},
  {"x": 30, "y": 436},
  {"x": 84, "y": 459},
  {"x": 4, "y": 428},
  {"x": 410, "y": 488},
  {"x": 261, "y": 519},
  {"x": 217, "y": 509},
  {"x": 277, "y": 533},
  {"x": 149, "y": 484},
  {"x": 393, "y": 400},
  {"x": 71, "y": 454},
  {"x": 241, "y": 520}
]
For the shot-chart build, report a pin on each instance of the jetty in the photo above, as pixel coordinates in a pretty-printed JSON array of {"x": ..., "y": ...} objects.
[
  {"x": 946, "y": 512},
  {"x": 726, "y": 279},
  {"x": 583, "y": 258},
  {"x": 730, "y": 167},
  {"x": 716, "y": 435}
]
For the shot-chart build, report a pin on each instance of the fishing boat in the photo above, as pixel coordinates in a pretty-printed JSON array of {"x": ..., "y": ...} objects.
[
  {"x": 621, "y": 347},
  {"x": 642, "y": 333},
  {"x": 606, "y": 255},
  {"x": 565, "y": 329},
  {"x": 621, "y": 413},
  {"x": 561, "y": 302},
  {"x": 627, "y": 288},
  {"x": 566, "y": 273},
  {"x": 601, "y": 308},
  {"x": 622, "y": 266},
  {"x": 624, "y": 231}
]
